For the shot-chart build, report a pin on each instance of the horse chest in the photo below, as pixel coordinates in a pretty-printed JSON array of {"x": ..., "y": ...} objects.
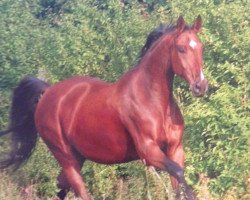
[{"x": 174, "y": 127}]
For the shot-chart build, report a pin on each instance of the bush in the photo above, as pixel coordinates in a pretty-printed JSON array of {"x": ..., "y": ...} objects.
[{"x": 58, "y": 39}]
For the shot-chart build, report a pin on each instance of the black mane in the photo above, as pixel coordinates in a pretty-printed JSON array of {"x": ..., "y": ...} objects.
[{"x": 155, "y": 35}]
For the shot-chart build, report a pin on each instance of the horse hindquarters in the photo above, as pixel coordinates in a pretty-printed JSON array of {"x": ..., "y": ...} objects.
[{"x": 50, "y": 129}]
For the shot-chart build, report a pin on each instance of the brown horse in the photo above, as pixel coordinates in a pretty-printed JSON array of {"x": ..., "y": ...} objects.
[{"x": 134, "y": 118}]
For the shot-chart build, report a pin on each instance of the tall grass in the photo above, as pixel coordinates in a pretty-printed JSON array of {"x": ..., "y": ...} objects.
[
  {"x": 9, "y": 190},
  {"x": 152, "y": 186}
]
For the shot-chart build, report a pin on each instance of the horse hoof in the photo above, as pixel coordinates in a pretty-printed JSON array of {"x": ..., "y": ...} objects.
[{"x": 189, "y": 195}]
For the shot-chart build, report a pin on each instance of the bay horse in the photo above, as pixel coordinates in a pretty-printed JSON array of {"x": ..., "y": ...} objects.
[{"x": 136, "y": 117}]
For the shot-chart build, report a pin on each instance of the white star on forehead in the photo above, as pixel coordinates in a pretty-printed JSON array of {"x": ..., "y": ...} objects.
[{"x": 192, "y": 44}]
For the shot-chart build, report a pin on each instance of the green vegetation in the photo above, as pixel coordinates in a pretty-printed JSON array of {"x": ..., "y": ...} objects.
[{"x": 55, "y": 39}]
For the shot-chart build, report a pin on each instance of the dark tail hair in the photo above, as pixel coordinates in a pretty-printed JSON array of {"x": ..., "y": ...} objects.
[{"x": 22, "y": 125}]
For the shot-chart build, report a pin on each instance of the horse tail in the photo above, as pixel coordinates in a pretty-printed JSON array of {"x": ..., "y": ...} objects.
[{"x": 22, "y": 124}]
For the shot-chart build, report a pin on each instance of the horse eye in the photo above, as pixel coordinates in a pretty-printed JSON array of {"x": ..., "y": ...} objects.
[{"x": 181, "y": 49}]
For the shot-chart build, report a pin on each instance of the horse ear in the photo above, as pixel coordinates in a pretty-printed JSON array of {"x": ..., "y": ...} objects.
[
  {"x": 180, "y": 25},
  {"x": 197, "y": 24}
]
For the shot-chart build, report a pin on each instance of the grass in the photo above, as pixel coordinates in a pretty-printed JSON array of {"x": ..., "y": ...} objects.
[
  {"x": 36, "y": 180},
  {"x": 10, "y": 190}
]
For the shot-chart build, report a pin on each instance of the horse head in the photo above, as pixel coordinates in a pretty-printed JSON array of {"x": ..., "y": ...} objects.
[{"x": 187, "y": 56}]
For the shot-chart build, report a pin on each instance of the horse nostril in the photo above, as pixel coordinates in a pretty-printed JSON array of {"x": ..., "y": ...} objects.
[
  {"x": 197, "y": 89},
  {"x": 198, "y": 86}
]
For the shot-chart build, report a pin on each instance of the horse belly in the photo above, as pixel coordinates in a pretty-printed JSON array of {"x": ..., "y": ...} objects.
[{"x": 104, "y": 140}]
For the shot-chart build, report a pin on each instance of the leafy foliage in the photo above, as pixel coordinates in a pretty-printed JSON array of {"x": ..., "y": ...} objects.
[{"x": 56, "y": 39}]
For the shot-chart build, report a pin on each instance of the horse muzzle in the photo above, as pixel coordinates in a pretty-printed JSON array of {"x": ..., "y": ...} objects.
[{"x": 199, "y": 88}]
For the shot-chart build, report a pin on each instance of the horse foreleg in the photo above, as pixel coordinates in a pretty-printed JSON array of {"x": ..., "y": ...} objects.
[
  {"x": 154, "y": 156},
  {"x": 176, "y": 154}
]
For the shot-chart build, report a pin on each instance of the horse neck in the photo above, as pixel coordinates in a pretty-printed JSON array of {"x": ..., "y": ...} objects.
[{"x": 157, "y": 68}]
